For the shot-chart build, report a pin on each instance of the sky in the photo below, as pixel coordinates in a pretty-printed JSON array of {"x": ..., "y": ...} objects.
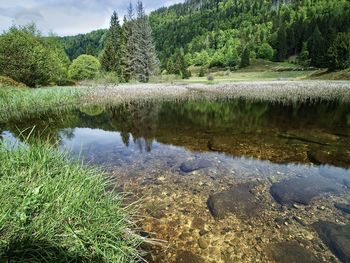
[{"x": 67, "y": 17}]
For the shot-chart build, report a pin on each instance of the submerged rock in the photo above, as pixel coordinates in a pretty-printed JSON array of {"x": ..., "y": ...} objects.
[
  {"x": 343, "y": 207},
  {"x": 193, "y": 165},
  {"x": 302, "y": 190},
  {"x": 238, "y": 200},
  {"x": 291, "y": 252},
  {"x": 188, "y": 257},
  {"x": 336, "y": 237},
  {"x": 321, "y": 157}
]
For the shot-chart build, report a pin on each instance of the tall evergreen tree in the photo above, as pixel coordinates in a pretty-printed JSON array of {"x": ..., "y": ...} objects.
[
  {"x": 130, "y": 44},
  {"x": 111, "y": 59},
  {"x": 145, "y": 57},
  {"x": 245, "y": 59},
  {"x": 282, "y": 48},
  {"x": 317, "y": 48}
]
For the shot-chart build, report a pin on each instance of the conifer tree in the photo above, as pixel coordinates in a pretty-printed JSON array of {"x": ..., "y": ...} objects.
[
  {"x": 317, "y": 48},
  {"x": 245, "y": 59},
  {"x": 130, "y": 44},
  {"x": 111, "y": 59},
  {"x": 144, "y": 59},
  {"x": 281, "y": 43}
]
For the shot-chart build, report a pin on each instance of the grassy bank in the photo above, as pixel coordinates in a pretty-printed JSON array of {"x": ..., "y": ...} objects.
[
  {"x": 19, "y": 102},
  {"x": 53, "y": 210}
]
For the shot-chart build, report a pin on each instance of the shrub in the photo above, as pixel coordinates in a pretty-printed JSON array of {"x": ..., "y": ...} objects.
[
  {"x": 339, "y": 52},
  {"x": 53, "y": 210},
  {"x": 265, "y": 51},
  {"x": 8, "y": 82},
  {"x": 26, "y": 58},
  {"x": 84, "y": 67},
  {"x": 210, "y": 77}
]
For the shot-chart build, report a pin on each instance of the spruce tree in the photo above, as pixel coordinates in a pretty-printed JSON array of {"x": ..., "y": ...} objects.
[
  {"x": 245, "y": 59},
  {"x": 281, "y": 43},
  {"x": 145, "y": 59},
  {"x": 317, "y": 48},
  {"x": 130, "y": 44},
  {"x": 111, "y": 59}
]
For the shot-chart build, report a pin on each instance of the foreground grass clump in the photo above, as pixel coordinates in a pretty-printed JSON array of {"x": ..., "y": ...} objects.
[
  {"x": 18, "y": 103},
  {"x": 53, "y": 210}
]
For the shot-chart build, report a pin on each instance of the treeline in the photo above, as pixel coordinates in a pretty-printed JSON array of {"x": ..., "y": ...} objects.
[
  {"x": 218, "y": 33},
  {"x": 120, "y": 54},
  {"x": 88, "y": 44}
]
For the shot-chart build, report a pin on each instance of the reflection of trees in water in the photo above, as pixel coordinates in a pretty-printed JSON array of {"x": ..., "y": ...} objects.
[{"x": 168, "y": 122}]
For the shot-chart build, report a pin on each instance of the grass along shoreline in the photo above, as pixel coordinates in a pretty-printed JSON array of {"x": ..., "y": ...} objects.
[
  {"x": 55, "y": 210},
  {"x": 15, "y": 104}
]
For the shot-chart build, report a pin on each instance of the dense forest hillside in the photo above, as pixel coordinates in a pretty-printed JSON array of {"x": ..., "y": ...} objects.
[
  {"x": 89, "y": 44},
  {"x": 228, "y": 33},
  {"x": 217, "y": 32}
]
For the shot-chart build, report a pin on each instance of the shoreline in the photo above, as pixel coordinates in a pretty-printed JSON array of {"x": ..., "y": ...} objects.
[{"x": 274, "y": 91}]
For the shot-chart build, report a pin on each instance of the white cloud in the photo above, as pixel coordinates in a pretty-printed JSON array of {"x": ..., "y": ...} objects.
[{"x": 67, "y": 17}]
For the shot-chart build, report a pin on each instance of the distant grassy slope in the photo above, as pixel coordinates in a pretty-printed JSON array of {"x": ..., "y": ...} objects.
[
  {"x": 337, "y": 75},
  {"x": 257, "y": 70}
]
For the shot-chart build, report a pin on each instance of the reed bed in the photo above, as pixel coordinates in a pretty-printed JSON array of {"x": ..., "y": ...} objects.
[
  {"x": 18, "y": 104},
  {"x": 272, "y": 91}
]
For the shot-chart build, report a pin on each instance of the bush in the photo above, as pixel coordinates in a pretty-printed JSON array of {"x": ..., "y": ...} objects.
[
  {"x": 26, "y": 58},
  {"x": 265, "y": 51},
  {"x": 84, "y": 67},
  {"x": 210, "y": 77},
  {"x": 53, "y": 210},
  {"x": 8, "y": 82},
  {"x": 339, "y": 52}
]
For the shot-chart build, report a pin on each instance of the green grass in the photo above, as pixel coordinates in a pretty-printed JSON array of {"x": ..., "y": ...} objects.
[
  {"x": 17, "y": 103},
  {"x": 55, "y": 210},
  {"x": 259, "y": 69},
  {"x": 336, "y": 75}
]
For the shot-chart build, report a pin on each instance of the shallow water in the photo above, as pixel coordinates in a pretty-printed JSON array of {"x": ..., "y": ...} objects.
[{"x": 220, "y": 181}]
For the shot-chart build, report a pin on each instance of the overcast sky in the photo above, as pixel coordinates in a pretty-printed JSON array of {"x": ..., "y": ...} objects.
[{"x": 67, "y": 17}]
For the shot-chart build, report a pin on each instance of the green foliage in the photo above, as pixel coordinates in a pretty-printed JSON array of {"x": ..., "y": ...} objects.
[
  {"x": 8, "y": 82},
  {"x": 111, "y": 58},
  {"x": 265, "y": 51},
  {"x": 27, "y": 57},
  {"x": 207, "y": 28},
  {"x": 317, "y": 48},
  {"x": 282, "y": 48},
  {"x": 339, "y": 52},
  {"x": 89, "y": 44},
  {"x": 18, "y": 103},
  {"x": 58, "y": 211},
  {"x": 245, "y": 60},
  {"x": 84, "y": 67},
  {"x": 304, "y": 55}
]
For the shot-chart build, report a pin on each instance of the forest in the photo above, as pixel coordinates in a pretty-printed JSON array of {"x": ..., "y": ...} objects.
[
  {"x": 216, "y": 33},
  {"x": 205, "y": 34}
]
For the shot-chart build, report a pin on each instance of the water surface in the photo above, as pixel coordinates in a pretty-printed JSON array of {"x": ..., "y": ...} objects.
[{"x": 220, "y": 181}]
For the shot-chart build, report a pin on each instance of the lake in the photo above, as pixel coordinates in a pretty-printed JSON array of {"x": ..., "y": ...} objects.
[{"x": 222, "y": 180}]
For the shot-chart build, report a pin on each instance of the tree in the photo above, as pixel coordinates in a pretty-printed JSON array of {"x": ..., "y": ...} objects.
[
  {"x": 144, "y": 58},
  {"x": 27, "y": 58},
  {"x": 317, "y": 48},
  {"x": 245, "y": 59},
  {"x": 84, "y": 67},
  {"x": 111, "y": 59},
  {"x": 265, "y": 51},
  {"x": 281, "y": 43},
  {"x": 339, "y": 52},
  {"x": 304, "y": 56}
]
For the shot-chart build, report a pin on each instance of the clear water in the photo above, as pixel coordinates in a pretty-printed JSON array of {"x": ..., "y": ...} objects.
[{"x": 220, "y": 181}]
